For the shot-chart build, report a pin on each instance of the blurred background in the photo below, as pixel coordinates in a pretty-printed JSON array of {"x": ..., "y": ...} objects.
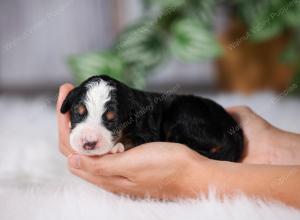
[{"x": 208, "y": 46}]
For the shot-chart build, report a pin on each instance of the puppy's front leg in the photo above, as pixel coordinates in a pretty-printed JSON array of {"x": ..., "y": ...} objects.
[{"x": 118, "y": 148}]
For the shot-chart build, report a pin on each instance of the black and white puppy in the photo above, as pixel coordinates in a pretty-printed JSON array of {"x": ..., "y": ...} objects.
[{"x": 108, "y": 116}]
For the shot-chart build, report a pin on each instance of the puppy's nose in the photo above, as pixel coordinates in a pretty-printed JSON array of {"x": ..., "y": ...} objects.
[{"x": 90, "y": 145}]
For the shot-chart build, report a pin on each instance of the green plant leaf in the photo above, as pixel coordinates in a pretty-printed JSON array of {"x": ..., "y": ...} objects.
[
  {"x": 291, "y": 53},
  {"x": 265, "y": 30},
  {"x": 135, "y": 76},
  {"x": 202, "y": 10},
  {"x": 166, "y": 3},
  {"x": 142, "y": 45},
  {"x": 87, "y": 65},
  {"x": 292, "y": 16},
  {"x": 296, "y": 82},
  {"x": 192, "y": 41},
  {"x": 264, "y": 19}
]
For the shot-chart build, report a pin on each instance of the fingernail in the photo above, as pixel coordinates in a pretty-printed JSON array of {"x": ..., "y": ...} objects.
[{"x": 74, "y": 160}]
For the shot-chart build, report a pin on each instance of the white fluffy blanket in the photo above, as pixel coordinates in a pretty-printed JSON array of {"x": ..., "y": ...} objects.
[{"x": 35, "y": 184}]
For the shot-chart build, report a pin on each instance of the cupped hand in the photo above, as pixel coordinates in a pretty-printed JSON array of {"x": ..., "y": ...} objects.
[
  {"x": 158, "y": 170},
  {"x": 256, "y": 134},
  {"x": 264, "y": 143}
]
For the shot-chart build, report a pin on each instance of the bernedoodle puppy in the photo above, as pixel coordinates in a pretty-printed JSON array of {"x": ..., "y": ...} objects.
[{"x": 109, "y": 117}]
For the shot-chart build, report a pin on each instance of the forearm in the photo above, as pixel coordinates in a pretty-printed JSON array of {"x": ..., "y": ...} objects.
[
  {"x": 265, "y": 181},
  {"x": 287, "y": 140}
]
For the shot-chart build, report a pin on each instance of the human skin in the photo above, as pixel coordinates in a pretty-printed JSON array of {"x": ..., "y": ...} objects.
[{"x": 269, "y": 168}]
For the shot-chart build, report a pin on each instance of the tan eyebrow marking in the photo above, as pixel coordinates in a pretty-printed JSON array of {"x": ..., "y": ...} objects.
[
  {"x": 216, "y": 149},
  {"x": 110, "y": 115},
  {"x": 81, "y": 109}
]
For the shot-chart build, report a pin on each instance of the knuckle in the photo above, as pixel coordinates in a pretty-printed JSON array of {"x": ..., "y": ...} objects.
[{"x": 246, "y": 109}]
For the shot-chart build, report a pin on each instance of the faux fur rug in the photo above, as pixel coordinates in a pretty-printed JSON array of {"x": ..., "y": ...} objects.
[{"x": 35, "y": 184}]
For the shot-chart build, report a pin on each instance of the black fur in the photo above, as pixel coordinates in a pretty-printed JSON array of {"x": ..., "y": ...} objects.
[{"x": 144, "y": 117}]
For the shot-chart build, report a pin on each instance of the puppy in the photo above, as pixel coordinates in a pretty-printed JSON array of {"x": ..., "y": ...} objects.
[{"x": 109, "y": 117}]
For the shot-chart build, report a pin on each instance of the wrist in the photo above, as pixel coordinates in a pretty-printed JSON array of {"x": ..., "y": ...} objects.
[
  {"x": 201, "y": 174},
  {"x": 223, "y": 177},
  {"x": 285, "y": 148}
]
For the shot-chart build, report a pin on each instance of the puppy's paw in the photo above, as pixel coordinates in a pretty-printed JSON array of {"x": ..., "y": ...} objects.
[{"x": 118, "y": 148}]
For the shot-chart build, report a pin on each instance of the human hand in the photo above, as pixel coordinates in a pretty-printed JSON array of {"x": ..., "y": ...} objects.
[
  {"x": 264, "y": 143},
  {"x": 63, "y": 120},
  {"x": 158, "y": 170}
]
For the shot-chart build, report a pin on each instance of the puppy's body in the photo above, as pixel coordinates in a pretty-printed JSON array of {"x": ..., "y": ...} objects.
[{"x": 114, "y": 113}]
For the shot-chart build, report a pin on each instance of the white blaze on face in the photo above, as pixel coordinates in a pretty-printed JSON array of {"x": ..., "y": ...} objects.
[{"x": 91, "y": 129}]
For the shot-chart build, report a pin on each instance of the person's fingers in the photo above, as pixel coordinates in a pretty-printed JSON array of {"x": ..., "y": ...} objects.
[
  {"x": 63, "y": 92},
  {"x": 115, "y": 184},
  {"x": 107, "y": 165},
  {"x": 240, "y": 113},
  {"x": 239, "y": 109},
  {"x": 63, "y": 120}
]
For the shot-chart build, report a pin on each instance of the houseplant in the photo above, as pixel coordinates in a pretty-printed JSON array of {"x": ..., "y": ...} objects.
[{"x": 185, "y": 29}]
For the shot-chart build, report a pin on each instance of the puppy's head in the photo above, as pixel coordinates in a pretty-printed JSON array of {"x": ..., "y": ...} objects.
[{"x": 94, "y": 117}]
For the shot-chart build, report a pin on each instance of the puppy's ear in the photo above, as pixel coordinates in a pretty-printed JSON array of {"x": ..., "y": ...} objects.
[{"x": 66, "y": 106}]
